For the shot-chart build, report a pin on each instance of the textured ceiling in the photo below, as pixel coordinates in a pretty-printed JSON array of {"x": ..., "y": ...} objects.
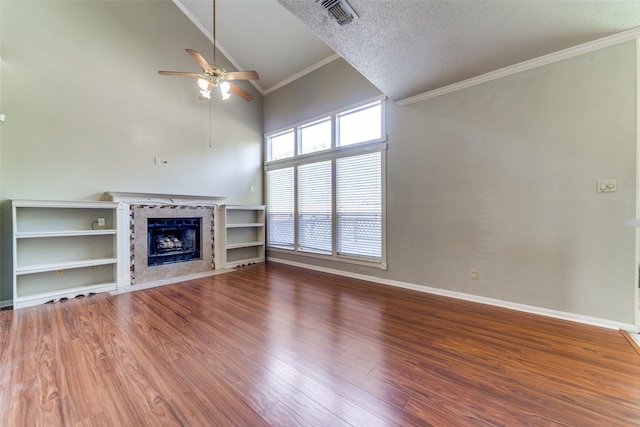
[
  {"x": 409, "y": 47},
  {"x": 406, "y": 47}
]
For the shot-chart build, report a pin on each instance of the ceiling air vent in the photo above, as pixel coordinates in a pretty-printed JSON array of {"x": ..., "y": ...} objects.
[{"x": 339, "y": 10}]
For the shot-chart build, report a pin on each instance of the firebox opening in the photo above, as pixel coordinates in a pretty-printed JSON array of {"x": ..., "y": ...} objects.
[{"x": 172, "y": 240}]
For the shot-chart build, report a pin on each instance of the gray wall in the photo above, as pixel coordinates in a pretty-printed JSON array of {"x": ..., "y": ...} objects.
[
  {"x": 501, "y": 177},
  {"x": 87, "y": 111}
]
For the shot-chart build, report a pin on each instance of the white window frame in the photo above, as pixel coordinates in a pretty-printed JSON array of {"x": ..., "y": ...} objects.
[{"x": 335, "y": 152}]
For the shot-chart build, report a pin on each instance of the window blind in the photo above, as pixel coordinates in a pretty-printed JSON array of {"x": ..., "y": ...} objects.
[
  {"x": 359, "y": 206},
  {"x": 280, "y": 208},
  {"x": 315, "y": 208}
]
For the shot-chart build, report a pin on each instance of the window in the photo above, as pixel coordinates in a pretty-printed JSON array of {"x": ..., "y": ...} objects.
[
  {"x": 315, "y": 137},
  {"x": 315, "y": 217},
  {"x": 359, "y": 205},
  {"x": 325, "y": 186},
  {"x": 282, "y": 146},
  {"x": 280, "y": 208},
  {"x": 360, "y": 124}
]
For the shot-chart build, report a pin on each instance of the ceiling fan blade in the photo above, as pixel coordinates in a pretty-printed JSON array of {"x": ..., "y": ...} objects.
[
  {"x": 200, "y": 60},
  {"x": 241, "y": 92},
  {"x": 242, "y": 75},
  {"x": 179, "y": 73}
]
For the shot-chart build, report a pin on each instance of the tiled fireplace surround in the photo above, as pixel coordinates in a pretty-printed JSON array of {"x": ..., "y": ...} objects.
[
  {"x": 141, "y": 207},
  {"x": 141, "y": 272}
]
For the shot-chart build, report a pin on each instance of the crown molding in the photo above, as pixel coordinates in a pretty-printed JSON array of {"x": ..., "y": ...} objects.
[{"x": 612, "y": 40}]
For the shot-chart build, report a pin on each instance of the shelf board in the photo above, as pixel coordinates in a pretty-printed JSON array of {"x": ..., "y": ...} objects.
[
  {"x": 89, "y": 204},
  {"x": 245, "y": 207},
  {"x": 244, "y": 245},
  {"x": 246, "y": 224},
  {"x": 42, "y": 268},
  {"x": 62, "y": 233}
]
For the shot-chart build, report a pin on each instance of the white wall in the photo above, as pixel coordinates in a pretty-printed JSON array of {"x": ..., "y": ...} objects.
[
  {"x": 501, "y": 177},
  {"x": 87, "y": 111}
]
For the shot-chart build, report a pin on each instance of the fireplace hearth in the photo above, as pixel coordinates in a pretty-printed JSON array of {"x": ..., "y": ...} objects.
[{"x": 173, "y": 240}]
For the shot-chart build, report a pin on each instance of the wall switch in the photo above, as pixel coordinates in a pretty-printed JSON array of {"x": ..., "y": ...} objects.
[
  {"x": 606, "y": 186},
  {"x": 473, "y": 274},
  {"x": 100, "y": 222},
  {"x": 157, "y": 160}
]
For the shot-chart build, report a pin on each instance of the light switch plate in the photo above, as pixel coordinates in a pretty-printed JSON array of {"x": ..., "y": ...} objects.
[{"x": 606, "y": 186}]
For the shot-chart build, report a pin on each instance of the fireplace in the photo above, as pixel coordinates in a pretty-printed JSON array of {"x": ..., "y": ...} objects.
[
  {"x": 173, "y": 240},
  {"x": 170, "y": 241},
  {"x": 145, "y": 206}
]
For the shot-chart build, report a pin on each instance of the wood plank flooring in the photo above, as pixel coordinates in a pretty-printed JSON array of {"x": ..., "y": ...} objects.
[{"x": 276, "y": 345}]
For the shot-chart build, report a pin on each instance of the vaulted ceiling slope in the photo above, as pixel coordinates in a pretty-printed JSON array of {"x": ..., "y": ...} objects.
[
  {"x": 409, "y": 47},
  {"x": 404, "y": 47}
]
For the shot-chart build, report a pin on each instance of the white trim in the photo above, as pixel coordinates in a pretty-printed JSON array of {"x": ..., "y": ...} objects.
[
  {"x": 381, "y": 264},
  {"x": 637, "y": 231},
  {"x": 123, "y": 250},
  {"x": 42, "y": 298},
  {"x": 162, "y": 199},
  {"x": 560, "y": 55},
  {"x": 563, "y": 315},
  {"x": 302, "y": 73},
  {"x": 329, "y": 154}
]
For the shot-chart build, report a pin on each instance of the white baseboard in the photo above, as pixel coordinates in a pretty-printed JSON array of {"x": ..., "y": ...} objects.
[
  {"x": 148, "y": 285},
  {"x": 563, "y": 315}
]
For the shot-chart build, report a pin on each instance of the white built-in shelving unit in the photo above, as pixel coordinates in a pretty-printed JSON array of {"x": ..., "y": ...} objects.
[
  {"x": 62, "y": 249},
  {"x": 243, "y": 235}
]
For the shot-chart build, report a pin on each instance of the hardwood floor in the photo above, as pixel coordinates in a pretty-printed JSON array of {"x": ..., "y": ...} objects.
[{"x": 277, "y": 345}]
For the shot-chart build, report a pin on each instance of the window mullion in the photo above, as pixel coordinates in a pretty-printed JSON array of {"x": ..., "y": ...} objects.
[
  {"x": 334, "y": 210},
  {"x": 334, "y": 131},
  {"x": 296, "y": 240}
]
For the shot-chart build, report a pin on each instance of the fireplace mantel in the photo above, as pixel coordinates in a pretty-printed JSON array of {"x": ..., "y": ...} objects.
[{"x": 162, "y": 199}]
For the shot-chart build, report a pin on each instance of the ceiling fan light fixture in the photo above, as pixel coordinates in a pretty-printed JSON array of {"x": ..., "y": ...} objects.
[
  {"x": 225, "y": 87},
  {"x": 204, "y": 84}
]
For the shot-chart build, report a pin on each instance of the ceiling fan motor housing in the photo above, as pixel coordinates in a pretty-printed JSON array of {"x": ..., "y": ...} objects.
[{"x": 216, "y": 75}]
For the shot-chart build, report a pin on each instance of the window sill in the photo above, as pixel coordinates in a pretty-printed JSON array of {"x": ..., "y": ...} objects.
[{"x": 381, "y": 264}]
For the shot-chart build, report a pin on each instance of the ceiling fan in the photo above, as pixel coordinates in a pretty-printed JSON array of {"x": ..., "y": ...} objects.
[{"x": 213, "y": 75}]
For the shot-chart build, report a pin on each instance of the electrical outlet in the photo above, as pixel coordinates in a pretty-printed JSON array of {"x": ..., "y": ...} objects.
[
  {"x": 606, "y": 186},
  {"x": 100, "y": 222},
  {"x": 473, "y": 274}
]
